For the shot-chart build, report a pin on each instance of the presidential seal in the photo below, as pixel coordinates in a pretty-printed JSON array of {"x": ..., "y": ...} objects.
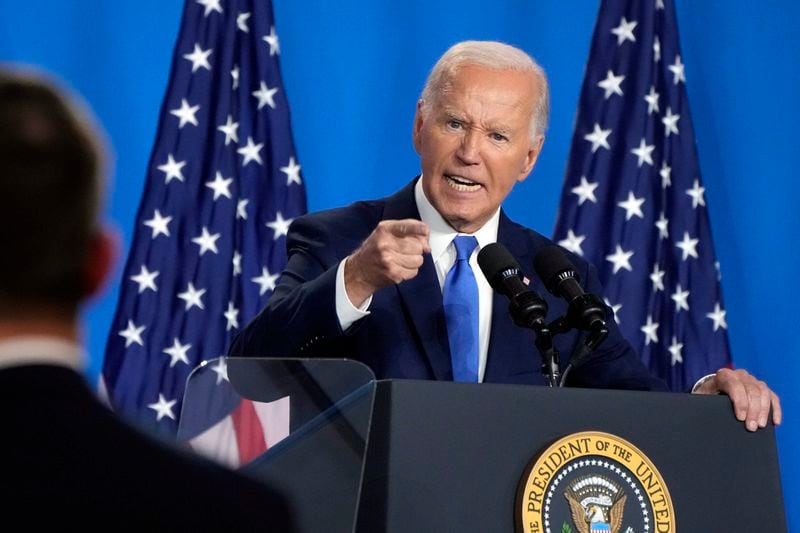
[{"x": 593, "y": 482}]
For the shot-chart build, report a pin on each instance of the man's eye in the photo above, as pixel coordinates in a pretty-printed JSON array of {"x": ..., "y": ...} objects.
[
  {"x": 455, "y": 124},
  {"x": 499, "y": 137}
]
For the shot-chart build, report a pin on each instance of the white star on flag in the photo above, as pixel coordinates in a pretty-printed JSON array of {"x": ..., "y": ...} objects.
[
  {"x": 172, "y": 169},
  {"x": 677, "y": 71},
  {"x": 235, "y": 72},
  {"x": 598, "y": 138},
  {"x": 241, "y": 209},
  {"x": 158, "y": 224},
  {"x": 292, "y": 171},
  {"x": 265, "y": 96},
  {"x": 199, "y": 58},
  {"x": 657, "y": 277},
  {"x": 656, "y": 50},
  {"x": 649, "y": 330},
  {"x": 632, "y": 206},
  {"x": 666, "y": 175},
  {"x": 681, "y": 299},
  {"x": 675, "y": 350},
  {"x": 132, "y": 334},
  {"x": 644, "y": 152},
  {"x": 163, "y": 407},
  {"x": 251, "y": 152},
  {"x": 207, "y": 241},
  {"x": 210, "y": 5},
  {"x": 177, "y": 352},
  {"x": 237, "y": 263},
  {"x": 573, "y": 242},
  {"x": 265, "y": 281},
  {"x": 272, "y": 41},
  {"x": 611, "y": 84},
  {"x": 615, "y": 308},
  {"x": 221, "y": 370},
  {"x": 193, "y": 297},
  {"x": 670, "y": 123},
  {"x": 620, "y": 259},
  {"x": 280, "y": 225},
  {"x": 146, "y": 280},
  {"x": 585, "y": 191},
  {"x": 718, "y": 316},
  {"x": 241, "y": 22},
  {"x": 652, "y": 100},
  {"x": 232, "y": 317},
  {"x": 624, "y": 31},
  {"x": 230, "y": 130},
  {"x": 186, "y": 114},
  {"x": 689, "y": 246},
  {"x": 220, "y": 185},
  {"x": 663, "y": 226},
  {"x": 696, "y": 192}
]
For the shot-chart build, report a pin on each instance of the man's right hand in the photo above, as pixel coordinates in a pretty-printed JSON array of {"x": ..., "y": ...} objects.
[{"x": 392, "y": 253}]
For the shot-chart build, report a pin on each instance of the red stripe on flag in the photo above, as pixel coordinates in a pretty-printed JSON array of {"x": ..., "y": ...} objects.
[{"x": 249, "y": 432}]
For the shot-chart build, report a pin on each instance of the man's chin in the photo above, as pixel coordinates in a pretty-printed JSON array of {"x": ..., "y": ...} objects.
[{"x": 462, "y": 223}]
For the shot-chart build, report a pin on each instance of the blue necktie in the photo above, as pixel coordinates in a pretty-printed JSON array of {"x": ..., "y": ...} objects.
[{"x": 460, "y": 299}]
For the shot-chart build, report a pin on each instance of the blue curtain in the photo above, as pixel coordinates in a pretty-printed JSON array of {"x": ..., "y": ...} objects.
[{"x": 353, "y": 71}]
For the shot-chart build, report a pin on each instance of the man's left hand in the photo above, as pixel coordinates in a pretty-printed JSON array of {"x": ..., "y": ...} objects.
[{"x": 751, "y": 398}]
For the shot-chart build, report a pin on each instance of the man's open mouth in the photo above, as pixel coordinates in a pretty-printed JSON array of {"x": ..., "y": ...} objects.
[{"x": 461, "y": 183}]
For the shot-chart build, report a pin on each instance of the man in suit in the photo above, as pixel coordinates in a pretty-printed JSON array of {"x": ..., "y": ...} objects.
[
  {"x": 65, "y": 459},
  {"x": 370, "y": 281}
]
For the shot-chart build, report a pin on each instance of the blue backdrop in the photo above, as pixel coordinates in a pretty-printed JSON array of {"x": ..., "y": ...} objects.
[{"x": 353, "y": 71}]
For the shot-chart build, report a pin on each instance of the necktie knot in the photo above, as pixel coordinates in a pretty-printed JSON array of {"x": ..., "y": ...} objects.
[{"x": 464, "y": 244}]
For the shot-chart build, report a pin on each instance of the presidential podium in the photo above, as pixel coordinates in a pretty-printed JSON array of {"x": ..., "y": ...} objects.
[{"x": 419, "y": 456}]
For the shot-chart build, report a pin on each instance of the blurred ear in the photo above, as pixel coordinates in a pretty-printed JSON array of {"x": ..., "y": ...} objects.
[
  {"x": 530, "y": 160},
  {"x": 417, "y": 133},
  {"x": 100, "y": 262}
]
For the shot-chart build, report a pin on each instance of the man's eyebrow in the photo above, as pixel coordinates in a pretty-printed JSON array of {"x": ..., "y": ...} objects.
[
  {"x": 454, "y": 115},
  {"x": 501, "y": 128}
]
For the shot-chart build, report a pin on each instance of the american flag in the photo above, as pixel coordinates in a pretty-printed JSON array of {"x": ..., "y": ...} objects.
[
  {"x": 222, "y": 186},
  {"x": 633, "y": 202}
]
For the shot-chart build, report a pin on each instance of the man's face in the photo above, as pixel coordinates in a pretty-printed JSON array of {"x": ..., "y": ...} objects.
[{"x": 475, "y": 144}]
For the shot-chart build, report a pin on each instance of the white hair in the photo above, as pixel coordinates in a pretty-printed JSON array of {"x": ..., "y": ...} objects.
[{"x": 494, "y": 55}]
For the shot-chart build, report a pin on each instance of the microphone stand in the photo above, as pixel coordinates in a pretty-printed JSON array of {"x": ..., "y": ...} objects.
[
  {"x": 550, "y": 364},
  {"x": 528, "y": 310},
  {"x": 596, "y": 335},
  {"x": 544, "y": 342}
]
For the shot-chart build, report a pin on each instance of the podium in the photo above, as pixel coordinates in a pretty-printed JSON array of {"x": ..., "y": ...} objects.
[{"x": 400, "y": 456}]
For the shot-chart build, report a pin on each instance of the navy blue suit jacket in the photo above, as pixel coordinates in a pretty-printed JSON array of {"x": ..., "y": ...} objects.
[{"x": 405, "y": 334}]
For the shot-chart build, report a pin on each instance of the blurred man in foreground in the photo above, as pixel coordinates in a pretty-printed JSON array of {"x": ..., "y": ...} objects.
[{"x": 64, "y": 458}]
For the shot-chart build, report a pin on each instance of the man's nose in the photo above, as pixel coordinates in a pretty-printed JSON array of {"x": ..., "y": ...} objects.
[{"x": 469, "y": 151}]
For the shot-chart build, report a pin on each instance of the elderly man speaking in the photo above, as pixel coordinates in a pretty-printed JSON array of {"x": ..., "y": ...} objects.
[{"x": 394, "y": 282}]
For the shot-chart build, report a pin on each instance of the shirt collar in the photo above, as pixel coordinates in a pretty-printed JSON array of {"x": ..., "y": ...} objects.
[
  {"x": 441, "y": 233},
  {"x": 39, "y": 350}
]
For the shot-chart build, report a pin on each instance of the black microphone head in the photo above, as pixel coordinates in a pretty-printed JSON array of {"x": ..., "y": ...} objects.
[
  {"x": 553, "y": 267},
  {"x": 496, "y": 262}
]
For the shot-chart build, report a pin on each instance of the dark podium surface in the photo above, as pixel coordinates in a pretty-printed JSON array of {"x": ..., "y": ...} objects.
[{"x": 422, "y": 456}]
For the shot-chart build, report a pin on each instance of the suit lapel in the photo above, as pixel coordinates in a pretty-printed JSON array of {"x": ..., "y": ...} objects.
[
  {"x": 421, "y": 297},
  {"x": 505, "y": 336}
]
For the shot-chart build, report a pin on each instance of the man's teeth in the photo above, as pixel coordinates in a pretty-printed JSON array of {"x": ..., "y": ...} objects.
[{"x": 460, "y": 183}]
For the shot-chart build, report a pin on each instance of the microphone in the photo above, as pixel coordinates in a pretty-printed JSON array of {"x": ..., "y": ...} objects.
[
  {"x": 527, "y": 308},
  {"x": 586, "y": 311}
]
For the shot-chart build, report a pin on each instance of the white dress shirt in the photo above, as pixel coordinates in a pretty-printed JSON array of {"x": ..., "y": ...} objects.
[{"x": 443, "y": 253}]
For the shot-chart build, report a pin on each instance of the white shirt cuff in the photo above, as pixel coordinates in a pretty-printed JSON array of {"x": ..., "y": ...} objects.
[
  {"x": 701, "y": 381},
  {"x": 347, "y": 313}
]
